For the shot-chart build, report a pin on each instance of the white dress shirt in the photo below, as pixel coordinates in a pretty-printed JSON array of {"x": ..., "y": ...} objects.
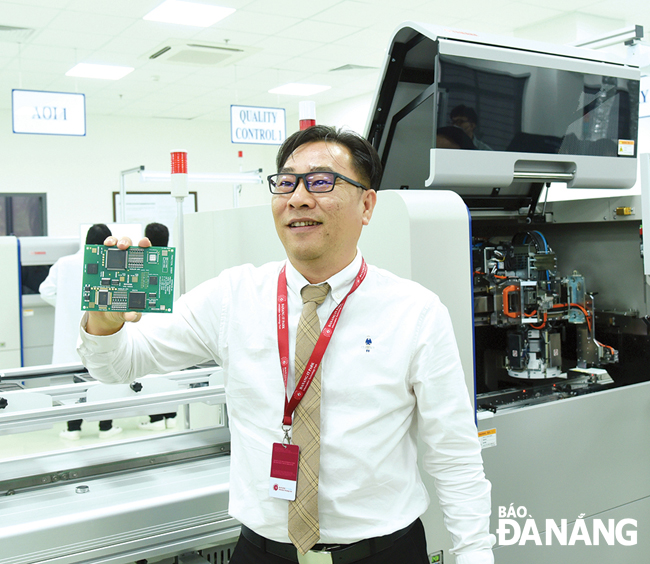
[
  {"x": 62, "y": 289},
  {"x": 391, "y": 371}
]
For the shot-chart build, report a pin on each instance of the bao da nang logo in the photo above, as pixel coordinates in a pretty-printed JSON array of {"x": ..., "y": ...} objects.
[{"x": 516, "y": 526}]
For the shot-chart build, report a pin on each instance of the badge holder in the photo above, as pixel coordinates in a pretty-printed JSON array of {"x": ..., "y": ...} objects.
[{"x": 284, "y": 471}]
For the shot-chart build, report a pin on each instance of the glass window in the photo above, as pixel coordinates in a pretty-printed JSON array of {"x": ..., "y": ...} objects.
[{"x": 23, "y": 215}]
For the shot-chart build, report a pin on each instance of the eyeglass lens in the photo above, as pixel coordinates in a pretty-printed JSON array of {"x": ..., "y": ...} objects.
[{"x": 316, "y": 182}]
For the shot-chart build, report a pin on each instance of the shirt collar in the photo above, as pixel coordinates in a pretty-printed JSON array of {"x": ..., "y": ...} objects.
[{"x": 340, "y": 283}]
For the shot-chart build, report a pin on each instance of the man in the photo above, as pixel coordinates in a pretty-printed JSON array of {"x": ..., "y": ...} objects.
[
  {"x": 465, "y": 117},
  {"x": 363, "y": 475},
  {"x": 453, "y": 137},
  {"x": 158, "y": 236},
  {"x": 62, "y": 289}
]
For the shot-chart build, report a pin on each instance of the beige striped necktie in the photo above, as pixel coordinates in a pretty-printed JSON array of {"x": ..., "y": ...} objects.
[{"x": 304, "y": 529}]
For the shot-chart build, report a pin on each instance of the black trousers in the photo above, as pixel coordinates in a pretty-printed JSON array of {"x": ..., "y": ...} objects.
[
  {"x": 410, "y": 549},
  {"x": 75, "y": 425}
]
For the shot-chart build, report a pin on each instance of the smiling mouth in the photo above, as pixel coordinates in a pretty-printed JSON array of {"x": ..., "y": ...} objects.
[{"x": 303, "y": 223}]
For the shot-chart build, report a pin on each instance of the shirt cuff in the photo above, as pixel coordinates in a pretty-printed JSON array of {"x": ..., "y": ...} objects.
[
  {"x": 476, "y": 557},
  {"x": 100, "y": 343}
]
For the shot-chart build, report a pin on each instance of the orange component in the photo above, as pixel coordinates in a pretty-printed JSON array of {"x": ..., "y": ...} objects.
[{"x": 506, "y": 305}]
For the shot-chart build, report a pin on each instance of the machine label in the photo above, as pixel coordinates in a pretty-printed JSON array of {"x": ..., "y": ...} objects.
[
  {"x": 625, "y": 148},
  {"x": 487, "y": 438}
]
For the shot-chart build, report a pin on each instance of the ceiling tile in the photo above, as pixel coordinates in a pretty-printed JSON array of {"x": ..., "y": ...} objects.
[
  {"x": 361, "y": 14},
  {"x": 253, "y": 22},
  {"x": 366, "y": 39},
  {"x": 319, "y": 31},
  {"x": 236, "y": 37},
  {"x": 157, "y": 32},
  {"x": 56, "y": 4},
  {"x": 564, "y": 5},
  {"x": 512, "y": 15},
  {"x": 23, "y": 15},
  {"x": 297, "y": 8},
  {"x": 129, "y": 8},
  {"x": 50, "y": 53},
  {"x": 58, "y": 38},
  {"x": 618, "y": 10},
  {"x": 83, "y": 22}
]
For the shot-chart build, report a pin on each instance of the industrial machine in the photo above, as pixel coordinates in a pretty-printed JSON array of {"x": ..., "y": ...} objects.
[
  {"x": 37, "y": 255},
  {"x": 560, "y": 309},
  {"x": 27, "y": 331},
  {"x": 517, "y": 289},
  {"x": 132, "y": 498}
]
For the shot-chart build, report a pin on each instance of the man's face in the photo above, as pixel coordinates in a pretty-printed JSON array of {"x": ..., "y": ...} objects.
[
  {"x": 320, "y": 231},
  {"x": 466, "y": 125}
]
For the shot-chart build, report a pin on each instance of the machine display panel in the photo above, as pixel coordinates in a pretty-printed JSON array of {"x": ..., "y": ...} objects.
[
  {"x": 531, "y": 115},
  {"x": 531, "y": 109},
  {"x": 137, "y": 279}
]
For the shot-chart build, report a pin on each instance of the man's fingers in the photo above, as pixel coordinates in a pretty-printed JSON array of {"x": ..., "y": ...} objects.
[
  {"x": 124, "y": 243},
  {"x": 132, "y": 316},
  {"x": 107, "y": 323}
]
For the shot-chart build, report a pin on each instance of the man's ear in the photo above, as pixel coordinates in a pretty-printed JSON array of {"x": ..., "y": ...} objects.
[{"x": 369, "y": 202}]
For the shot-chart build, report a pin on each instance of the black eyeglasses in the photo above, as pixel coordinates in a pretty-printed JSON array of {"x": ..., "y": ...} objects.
[{"x": 317, "y": 182}]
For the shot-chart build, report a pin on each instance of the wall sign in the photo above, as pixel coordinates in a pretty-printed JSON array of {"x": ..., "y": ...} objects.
[
  {"x": 644, "y": 97},
  {"x": 48, "y": 113},
  {"x": 259, "y": 126}
]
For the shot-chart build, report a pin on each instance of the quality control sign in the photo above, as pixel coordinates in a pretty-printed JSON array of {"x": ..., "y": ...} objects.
[{"x": 259, "y": 126}]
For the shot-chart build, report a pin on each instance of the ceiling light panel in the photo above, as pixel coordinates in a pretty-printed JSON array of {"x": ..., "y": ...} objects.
[
  {"x": 105, "y": 72},
  {"x": 188, "y": 13}
]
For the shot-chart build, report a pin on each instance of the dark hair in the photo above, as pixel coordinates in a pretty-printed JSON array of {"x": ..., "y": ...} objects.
[
  {"x": 97, "y": 234},
  {"x": 157, "y": 233},
  {"x": 465, "y": 111},
  {"x": 457, "y": 136},
  {"x": 364, "y": 156}
]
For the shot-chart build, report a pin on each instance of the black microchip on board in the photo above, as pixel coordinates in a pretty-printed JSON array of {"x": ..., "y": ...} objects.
[
  {"x": 92, "y": 268},
  {"x": 102, "y": 298},
  {"x": 153, "y": 281},
  {"x": 137, "y": 300},
  {"x": 115, "y": 259}
]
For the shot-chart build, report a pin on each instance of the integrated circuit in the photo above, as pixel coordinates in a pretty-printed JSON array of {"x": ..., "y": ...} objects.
[{"x": 137, "y": 279}]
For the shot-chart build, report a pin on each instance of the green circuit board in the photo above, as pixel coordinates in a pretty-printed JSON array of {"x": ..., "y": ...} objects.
[{"x": 138, "y": 279}]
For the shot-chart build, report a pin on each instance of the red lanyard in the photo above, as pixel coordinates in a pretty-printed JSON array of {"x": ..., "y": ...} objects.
[{"x": 321, "y": 345}]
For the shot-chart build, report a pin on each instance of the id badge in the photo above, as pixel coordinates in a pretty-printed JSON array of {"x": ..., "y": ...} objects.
[{"x": 284, "y": 471}]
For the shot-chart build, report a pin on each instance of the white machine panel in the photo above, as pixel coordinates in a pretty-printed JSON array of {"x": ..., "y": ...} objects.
[{"x": 10, "y": 354}]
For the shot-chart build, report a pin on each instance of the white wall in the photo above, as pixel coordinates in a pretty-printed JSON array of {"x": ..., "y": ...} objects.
[
  {"x": 79, "y": 174},
  {"x": 352, "y": 114}
]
